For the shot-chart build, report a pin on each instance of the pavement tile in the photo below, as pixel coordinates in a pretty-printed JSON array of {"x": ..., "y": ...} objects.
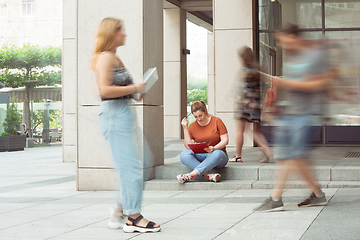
[
  {"x": 191, "y": 223},
  {"x": 170, "y": 213},
  {"x": 236, "y": 207},
  {"x": 268, "y": 234},
  {"x": 39, "y": 201},
  {"x": 180, "y": 234},
  {"x": 275, "y": 223},
  {"x": 203, "y": 194},
  {"x": 31, "y": 231},
  {"x": 208, "y": 214},
  {"x": 95, "y": 233},
  {"x": 160, "y": 194},
  {"x": 250, "y": 193}
]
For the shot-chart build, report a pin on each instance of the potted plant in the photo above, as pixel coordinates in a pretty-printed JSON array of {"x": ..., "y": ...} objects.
[{"x": 11, "y": 139}]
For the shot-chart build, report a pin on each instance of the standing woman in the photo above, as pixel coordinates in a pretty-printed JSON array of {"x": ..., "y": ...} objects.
[
  {"x": 117, "y": 124},
  {"x": 248, "y": 104}
]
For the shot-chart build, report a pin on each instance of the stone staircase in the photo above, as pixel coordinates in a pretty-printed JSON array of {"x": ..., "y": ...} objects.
[{"x": 332, "y": 170}]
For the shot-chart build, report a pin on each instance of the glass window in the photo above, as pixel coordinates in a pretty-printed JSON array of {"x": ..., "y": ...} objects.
[
  {"x": 269, "y": 56},
  {"x": 344, "y": 58},
  {"x": 28, "y": 8},
  {"x": 342, "y": 14},
  {"x": 3, "y": 9},
  {"x": 305, "y": 13}
]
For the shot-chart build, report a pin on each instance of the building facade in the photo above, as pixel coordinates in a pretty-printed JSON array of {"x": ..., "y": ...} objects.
[
  {"x": 157, "y": 38},
  {"x": 31, "y": 22}
]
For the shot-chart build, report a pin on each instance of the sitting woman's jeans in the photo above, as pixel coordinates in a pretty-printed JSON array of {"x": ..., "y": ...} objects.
[{"x": 203, "y": 162}]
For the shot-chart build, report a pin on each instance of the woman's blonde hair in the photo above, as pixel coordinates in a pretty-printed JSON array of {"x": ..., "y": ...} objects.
[
  {"x": 199, "y": 105},
  {"x": 105, "y": 37}
]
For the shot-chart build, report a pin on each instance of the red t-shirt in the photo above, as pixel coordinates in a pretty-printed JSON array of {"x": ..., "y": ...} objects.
[{"x": 209, "y": 133}]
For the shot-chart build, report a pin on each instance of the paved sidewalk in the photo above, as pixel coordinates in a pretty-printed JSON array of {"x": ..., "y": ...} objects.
[{"x": 38, "y": 201}]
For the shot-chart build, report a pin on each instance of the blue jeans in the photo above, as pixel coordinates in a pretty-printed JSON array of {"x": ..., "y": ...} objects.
[
  {"x": 292, "y": 137},
  {"x": 116, "y": 123},
  {"x": 203, "y": 162}
]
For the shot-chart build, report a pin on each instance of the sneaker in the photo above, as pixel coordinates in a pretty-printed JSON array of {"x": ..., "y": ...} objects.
[
  {"x": 215, "y": 177},
  {"x": 183, "y": 178},
  {"x": 117, "y": 222},
  {"x": 270, "y": 206},
  {"x": 313, "y": 200}
]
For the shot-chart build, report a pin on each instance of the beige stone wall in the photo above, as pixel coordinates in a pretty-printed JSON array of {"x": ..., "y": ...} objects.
[
  {"x": 175, "y": 72},
  {"x": 83, "y": 141},
  {"x": 233, "y": 28}
]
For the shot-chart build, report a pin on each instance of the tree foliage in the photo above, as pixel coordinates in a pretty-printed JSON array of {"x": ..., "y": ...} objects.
[
  {"x": 27, "y": 65},
  {"x": 12, "y": 120},
  {"x": 39, "y": 118},
  {"x": 196, "y": 83},
  {"x": 196, "y": 89}
]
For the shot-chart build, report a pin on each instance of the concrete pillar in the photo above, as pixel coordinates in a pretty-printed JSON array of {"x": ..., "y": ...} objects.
[
  {"x": 83, "y": 141},
  {"x": 175, "y": 72},
  {"x": 211, "y": 73},
  {"x": 233, "y": 28},
  {"x": 69, "y": 80}
]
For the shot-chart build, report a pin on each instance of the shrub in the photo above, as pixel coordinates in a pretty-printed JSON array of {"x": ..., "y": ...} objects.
[{"x": 12, "y": 121}]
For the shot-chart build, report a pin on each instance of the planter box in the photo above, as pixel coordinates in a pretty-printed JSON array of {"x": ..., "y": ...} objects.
[{"x": 12, "y": 143}]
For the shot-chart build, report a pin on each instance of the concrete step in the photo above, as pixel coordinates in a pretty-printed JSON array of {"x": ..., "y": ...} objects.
[
  {"x": 331, "y": 167},
  {"x": 204, "y": 184},
  {"x": 263, "y": 172}
]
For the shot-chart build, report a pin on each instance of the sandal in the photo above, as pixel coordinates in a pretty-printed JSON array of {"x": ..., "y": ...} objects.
[
  {"x": 134, "y": 228},
  {"x": 237, "y": 159}
]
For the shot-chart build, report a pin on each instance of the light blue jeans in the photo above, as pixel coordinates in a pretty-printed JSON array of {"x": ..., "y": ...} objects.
[
  {"x": 117, "y": 125},
  {"x": 203, "y": 162}
]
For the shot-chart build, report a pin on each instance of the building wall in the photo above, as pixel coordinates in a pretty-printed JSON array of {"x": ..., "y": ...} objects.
[{"x": 35, "y": 23}]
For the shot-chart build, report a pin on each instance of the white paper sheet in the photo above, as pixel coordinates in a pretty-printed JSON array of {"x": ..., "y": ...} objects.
[{"x": 150, "y": 77}]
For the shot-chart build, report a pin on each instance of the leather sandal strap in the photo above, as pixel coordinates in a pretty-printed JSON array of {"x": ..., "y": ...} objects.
[
  {"x": 237, "y": 158},
  {"x": 136, "y": 220},
  {"x": 150, "y": 225}
]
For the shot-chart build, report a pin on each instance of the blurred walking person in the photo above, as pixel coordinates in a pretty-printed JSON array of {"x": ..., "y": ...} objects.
[
  {"x": 306, "y": 76},
  {"x": 116, "y": 88},
  {"x": 248, "y": 105}
]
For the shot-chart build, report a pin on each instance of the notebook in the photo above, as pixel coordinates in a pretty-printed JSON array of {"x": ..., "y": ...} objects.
[
  {"x": 198, "y": 147},
  {"x": 150, "y": 77}
]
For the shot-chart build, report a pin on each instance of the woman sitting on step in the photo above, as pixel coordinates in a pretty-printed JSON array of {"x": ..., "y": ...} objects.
[{"x": 208, "y": 129}]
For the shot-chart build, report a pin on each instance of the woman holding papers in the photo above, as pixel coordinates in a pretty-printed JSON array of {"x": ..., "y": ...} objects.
[
  {"x": 116, "y": 121},
  {"x": 212, "y": 131}
]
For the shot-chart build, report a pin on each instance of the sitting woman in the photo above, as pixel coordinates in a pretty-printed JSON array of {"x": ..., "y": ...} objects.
[{"x": 207, "y": 129}]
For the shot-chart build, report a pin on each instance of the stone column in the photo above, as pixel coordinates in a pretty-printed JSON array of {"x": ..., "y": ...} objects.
[
  {"x": 211, "y": 75},
  {"x": 69, "y": 80},
  {"x": 233, "y": 28},
  {"x": 84, "y": 143},
  {"x": 175, "y": 72}
]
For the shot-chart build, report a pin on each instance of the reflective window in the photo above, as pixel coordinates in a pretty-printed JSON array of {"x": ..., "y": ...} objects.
[
  {"x": 3, "y": 9},
  {"x": 28, "y": 8},
  {"x": 305, "y": 13},
  {"x": 342, "y": 14}
]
